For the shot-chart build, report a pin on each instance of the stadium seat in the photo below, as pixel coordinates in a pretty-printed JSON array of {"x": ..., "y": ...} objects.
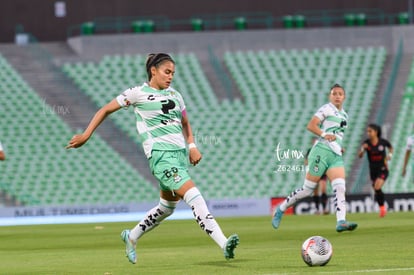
[
  {"x": 403, "y": 128},
  {"x": 39, "y": 171},
  {"x": 236, "y": 148},
  {"x": 275, "y": 83}
]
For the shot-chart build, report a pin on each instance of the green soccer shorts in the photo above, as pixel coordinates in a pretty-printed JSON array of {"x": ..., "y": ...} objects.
[
  {"x": 321, "y": 159},
  {"x": 170, "y": 168}
]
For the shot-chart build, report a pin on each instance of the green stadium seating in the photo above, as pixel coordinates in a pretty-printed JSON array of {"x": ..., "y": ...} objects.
[
  {"x": 280, "y": 90},
  {"x": 284, "y": 88},
  {"x": 40, "y": 171},
  {"x": 113, "y": 74},
  {"x": 403, "y": 127}
]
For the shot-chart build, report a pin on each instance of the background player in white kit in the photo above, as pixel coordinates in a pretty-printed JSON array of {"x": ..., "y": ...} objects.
[
  {"x": 164, "y": 129},
  {"x": 329, "y": 123},
  {"x": 409, "y": 148},
  {"x": 2, "y": 154}
]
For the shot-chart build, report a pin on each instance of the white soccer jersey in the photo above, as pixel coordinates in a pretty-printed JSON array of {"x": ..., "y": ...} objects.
[
  {"x": 333, "y": 122},
  {"x": 158, "y": 114},
  {"x": 1, "y": 146},
  {"x": 410, "y": 143}
]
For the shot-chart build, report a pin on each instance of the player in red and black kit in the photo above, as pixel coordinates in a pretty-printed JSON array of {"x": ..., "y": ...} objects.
[{"x": 375, "y": 146}]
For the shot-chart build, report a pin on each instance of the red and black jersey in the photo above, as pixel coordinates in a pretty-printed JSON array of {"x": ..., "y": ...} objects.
[
  {"x": 377, "y": 156},
  {"x": 377, "y": 153}
]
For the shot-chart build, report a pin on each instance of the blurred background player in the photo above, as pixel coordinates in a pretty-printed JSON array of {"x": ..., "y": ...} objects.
[
  {"x": 409, "y": 148},
  {"x": 375, "y": 146},
  {"x": 164, "y": 127},
  {"x": 329, "y": 123},
  {"x": 320, "y": 197},
  {"x": 2, "y": 154}
]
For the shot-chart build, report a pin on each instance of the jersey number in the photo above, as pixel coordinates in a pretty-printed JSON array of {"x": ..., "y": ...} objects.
[{"x": 167, "y": 105}]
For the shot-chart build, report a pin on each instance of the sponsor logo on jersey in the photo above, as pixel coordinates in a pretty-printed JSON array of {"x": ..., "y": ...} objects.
[
  {"x": 177, "y": 178},
  {"x": 167, "y": 121},
  {"x": 152, "y": 97},
  {"x": 127, "y": 102}
]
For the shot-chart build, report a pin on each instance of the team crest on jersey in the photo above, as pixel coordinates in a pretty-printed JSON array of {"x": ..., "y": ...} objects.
[
  {"x": 127, "y": 102},
  {"x": 381, "y": 148},
  {"x": 177, "y": 178}
]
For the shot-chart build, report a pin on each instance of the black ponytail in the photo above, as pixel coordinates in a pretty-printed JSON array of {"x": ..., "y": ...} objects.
[{"x": 155, "y": 59}]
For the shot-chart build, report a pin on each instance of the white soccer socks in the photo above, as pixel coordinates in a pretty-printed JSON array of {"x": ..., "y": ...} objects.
[
  {"x": 203, "y": 217},
  {"x": 165, "y": 208},
  {"x": 153, "y": 218},
  {"x": 305, "y": 191},
  {"x": 339, "y": 188}
]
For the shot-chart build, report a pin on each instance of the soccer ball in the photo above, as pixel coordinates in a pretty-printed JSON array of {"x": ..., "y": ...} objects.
[{"x": 316, "y": 251}]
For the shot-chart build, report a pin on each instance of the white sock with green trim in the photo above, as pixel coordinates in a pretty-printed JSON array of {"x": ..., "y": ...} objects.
[
  {"x": 153, "y": 218},
  {"x": 305, "y": 191},
  {"x": 203, "y": 217},
  {"x": 339, "y": 188}
]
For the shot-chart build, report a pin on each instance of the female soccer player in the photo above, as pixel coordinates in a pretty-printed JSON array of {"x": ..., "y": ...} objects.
[
  {"x": 409, "y": 148},
  {"x": 375, "y": 146},
  {"x": 2, "y": 154},
  {"x": 320, "y": 198},
  {"x": 163, "y": 125},
  {"x": 329, "y": 123}
]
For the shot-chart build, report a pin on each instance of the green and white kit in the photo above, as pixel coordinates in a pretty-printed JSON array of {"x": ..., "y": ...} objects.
[
  {"x": 158, "y": 120},
  {"x": 326, "y": 154}
]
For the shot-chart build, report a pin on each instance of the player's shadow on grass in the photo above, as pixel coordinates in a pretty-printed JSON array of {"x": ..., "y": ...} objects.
[{"x": 228, "y": 264}]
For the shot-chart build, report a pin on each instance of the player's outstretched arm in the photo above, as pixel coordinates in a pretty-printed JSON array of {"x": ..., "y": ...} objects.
[
  {"x": 101, "y": 114},
  {"x": 195, "y": 155}
]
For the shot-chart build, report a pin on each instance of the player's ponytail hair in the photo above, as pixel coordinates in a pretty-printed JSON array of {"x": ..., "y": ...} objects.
[
  {"x": 155, "y": 60},
  {"x": 376, "y": 128}
]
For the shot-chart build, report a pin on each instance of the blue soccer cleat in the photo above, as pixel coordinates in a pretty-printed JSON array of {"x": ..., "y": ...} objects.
[
  {"x": 277, "y": 217},
  {"x": 130, "y": 247},
  {"x": 345, "y": 226}
]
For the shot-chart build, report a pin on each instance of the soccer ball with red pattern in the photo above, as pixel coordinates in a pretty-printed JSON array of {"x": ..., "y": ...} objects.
[{"x": 316, "y": 251}]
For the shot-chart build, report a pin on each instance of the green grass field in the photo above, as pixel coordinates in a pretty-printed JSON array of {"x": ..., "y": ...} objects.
[{"x": 378, "y": 246}]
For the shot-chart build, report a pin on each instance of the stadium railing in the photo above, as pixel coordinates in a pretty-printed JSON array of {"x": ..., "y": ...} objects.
[{"x": 225, "y": 21}]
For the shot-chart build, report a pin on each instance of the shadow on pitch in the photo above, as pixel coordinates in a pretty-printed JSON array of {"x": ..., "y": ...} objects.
[{"x": 228, "y": 264}]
